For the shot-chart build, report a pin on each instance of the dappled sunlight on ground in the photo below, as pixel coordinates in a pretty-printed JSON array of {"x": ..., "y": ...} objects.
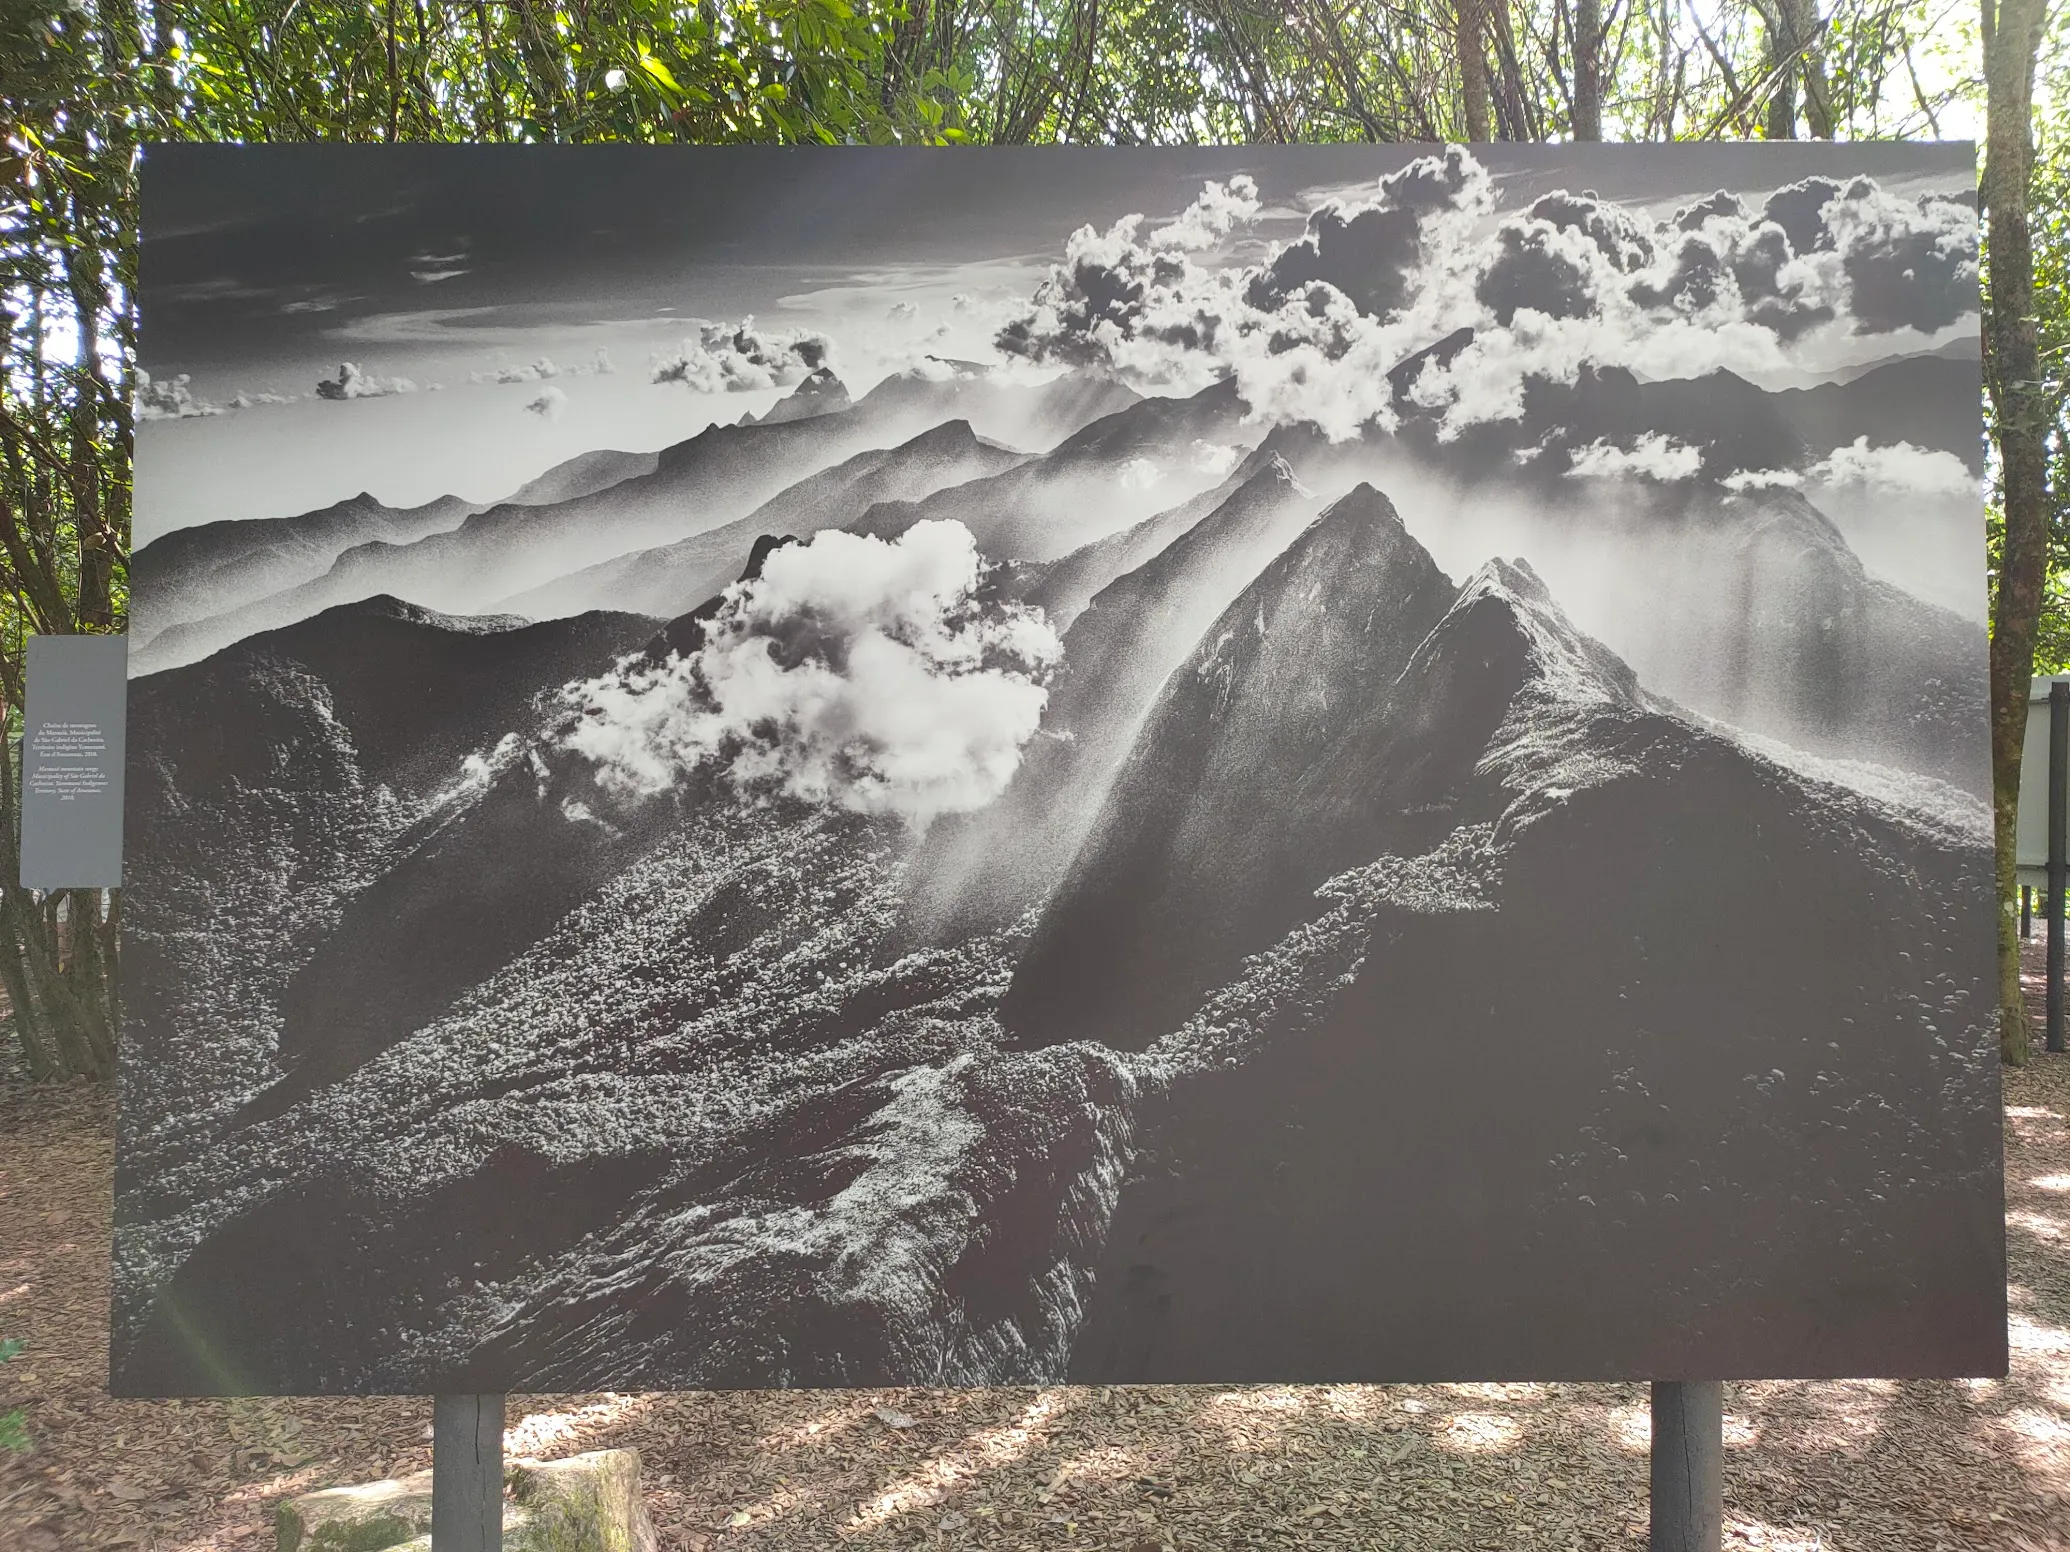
[
  {"x": 549, "y": 1435},
  {"x": 986, "y": 1450},
  {"x": 1743, "y": 1532},
  {"x": 1480, "y": 1433},
  {"x": 2041, "y": 1225},
  {"x": 1850, "y": 1466},
  {"x": 1631, "y": 1428}
]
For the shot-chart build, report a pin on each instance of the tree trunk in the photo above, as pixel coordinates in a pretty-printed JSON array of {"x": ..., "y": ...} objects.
[
  {"x": 1473, "y": 68},
  {"x": 1588, "y": 69},
  {"x": 2012, "y": 39},
  {"x": 1790, "y": 24}
]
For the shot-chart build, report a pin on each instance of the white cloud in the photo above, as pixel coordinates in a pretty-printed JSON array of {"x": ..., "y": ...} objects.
[
  {"x": 548, "y": 404},
  {"x": 1312, "y": 331},
  {"x": 739, "y": 358},
  {"x": 1139, "y": 474},
  {"x": 1220, "y": 208},
  {"x": 354, "y": 383},
  {"x": 854, "y": 673},
  {"x": 545, "y": 369},
  {"x": 1762, "y": 479},
  {"x": 1652, "y": 457},
  {"x": 532, "y": 372},
  {"x": 170, "y": 399},
  {"x": 1899, "y": 469}
]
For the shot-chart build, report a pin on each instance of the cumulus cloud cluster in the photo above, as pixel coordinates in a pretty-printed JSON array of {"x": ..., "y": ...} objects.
[
  {"x": 737, "y": 358},
  {"x": 853, "y": 673},
  {"x": 547, "y": 404},
  {"x": 353, "y": 382},
  {"x": 1139, "y": 301},
  {"x": 1314, "y": 330},
  {"x": 170, "y": 398}
]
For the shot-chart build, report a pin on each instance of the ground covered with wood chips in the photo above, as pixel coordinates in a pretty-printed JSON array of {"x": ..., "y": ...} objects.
[{"x": 1864, "y": 1466}]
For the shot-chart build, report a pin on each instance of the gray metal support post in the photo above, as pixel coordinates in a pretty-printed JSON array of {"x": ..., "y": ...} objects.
[
  {"x": 1688, "y": 1466},
  {"x": 2058, "y": 778},
  {"x": 467, "y": 1473},
  {"x": 2026, "y": 911}
]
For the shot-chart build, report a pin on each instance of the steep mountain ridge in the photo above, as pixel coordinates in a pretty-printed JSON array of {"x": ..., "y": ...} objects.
[
  {"x": 1171, "y": 871},
  {"x": 1063, "y": 587},
  {"x": 982, "y": 870}
]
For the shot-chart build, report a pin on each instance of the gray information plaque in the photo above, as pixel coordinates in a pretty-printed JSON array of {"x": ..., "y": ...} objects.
[{"x": 72, "y": 762}]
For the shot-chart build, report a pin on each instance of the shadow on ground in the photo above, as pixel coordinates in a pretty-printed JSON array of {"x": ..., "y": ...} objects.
[{"x": 1863, "y": 1466}]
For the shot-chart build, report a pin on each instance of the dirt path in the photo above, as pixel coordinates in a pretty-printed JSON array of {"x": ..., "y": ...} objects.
[{"x": 1847, "y": 1467}]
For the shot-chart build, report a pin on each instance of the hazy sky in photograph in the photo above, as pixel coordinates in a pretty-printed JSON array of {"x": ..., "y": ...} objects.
[{"x": 265, "y": 269}]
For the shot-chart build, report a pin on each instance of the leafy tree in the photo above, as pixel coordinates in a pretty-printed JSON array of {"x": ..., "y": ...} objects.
[{"x": 67, "y": 255}]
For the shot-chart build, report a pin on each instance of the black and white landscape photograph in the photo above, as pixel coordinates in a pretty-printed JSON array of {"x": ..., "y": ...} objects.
[{"x": 856, "y": 767}]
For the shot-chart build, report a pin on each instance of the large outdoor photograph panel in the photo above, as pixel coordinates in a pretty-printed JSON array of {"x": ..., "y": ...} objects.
[{"x": 757, "y": 768}]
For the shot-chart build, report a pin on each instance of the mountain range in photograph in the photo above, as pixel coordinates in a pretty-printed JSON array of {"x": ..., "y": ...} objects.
[{"x": 1304, "y": 764}]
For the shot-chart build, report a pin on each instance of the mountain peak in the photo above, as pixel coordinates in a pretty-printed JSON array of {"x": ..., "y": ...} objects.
[
  {"x": 1281, "y": 472},
  {"x": 950, "y": 436},
  {"x": 1561, "y": 661},
  {"x": 1362, "y": 503},
  {"x": 1785, "y": 508},
  {"x": 818, "y": 394}
]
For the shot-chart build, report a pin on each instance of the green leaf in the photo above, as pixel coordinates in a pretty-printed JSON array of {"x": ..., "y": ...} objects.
[{"x": 660, "y": 72}]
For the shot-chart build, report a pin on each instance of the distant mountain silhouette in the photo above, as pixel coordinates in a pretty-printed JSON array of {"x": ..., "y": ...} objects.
[
  {"x": 721, "y": 473},
  {"x": 1806, "y": 645},
  {"x": 583, "y": 475},
  {"x": 1929, "y": 401},
  {"x": 667, "y": 579},
  {"x": 194, "y": 572},
  {"x": 526, "y": 543},
  {"x": 1097, "y": 481},
  {"x": 1032, "y": 417}
]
